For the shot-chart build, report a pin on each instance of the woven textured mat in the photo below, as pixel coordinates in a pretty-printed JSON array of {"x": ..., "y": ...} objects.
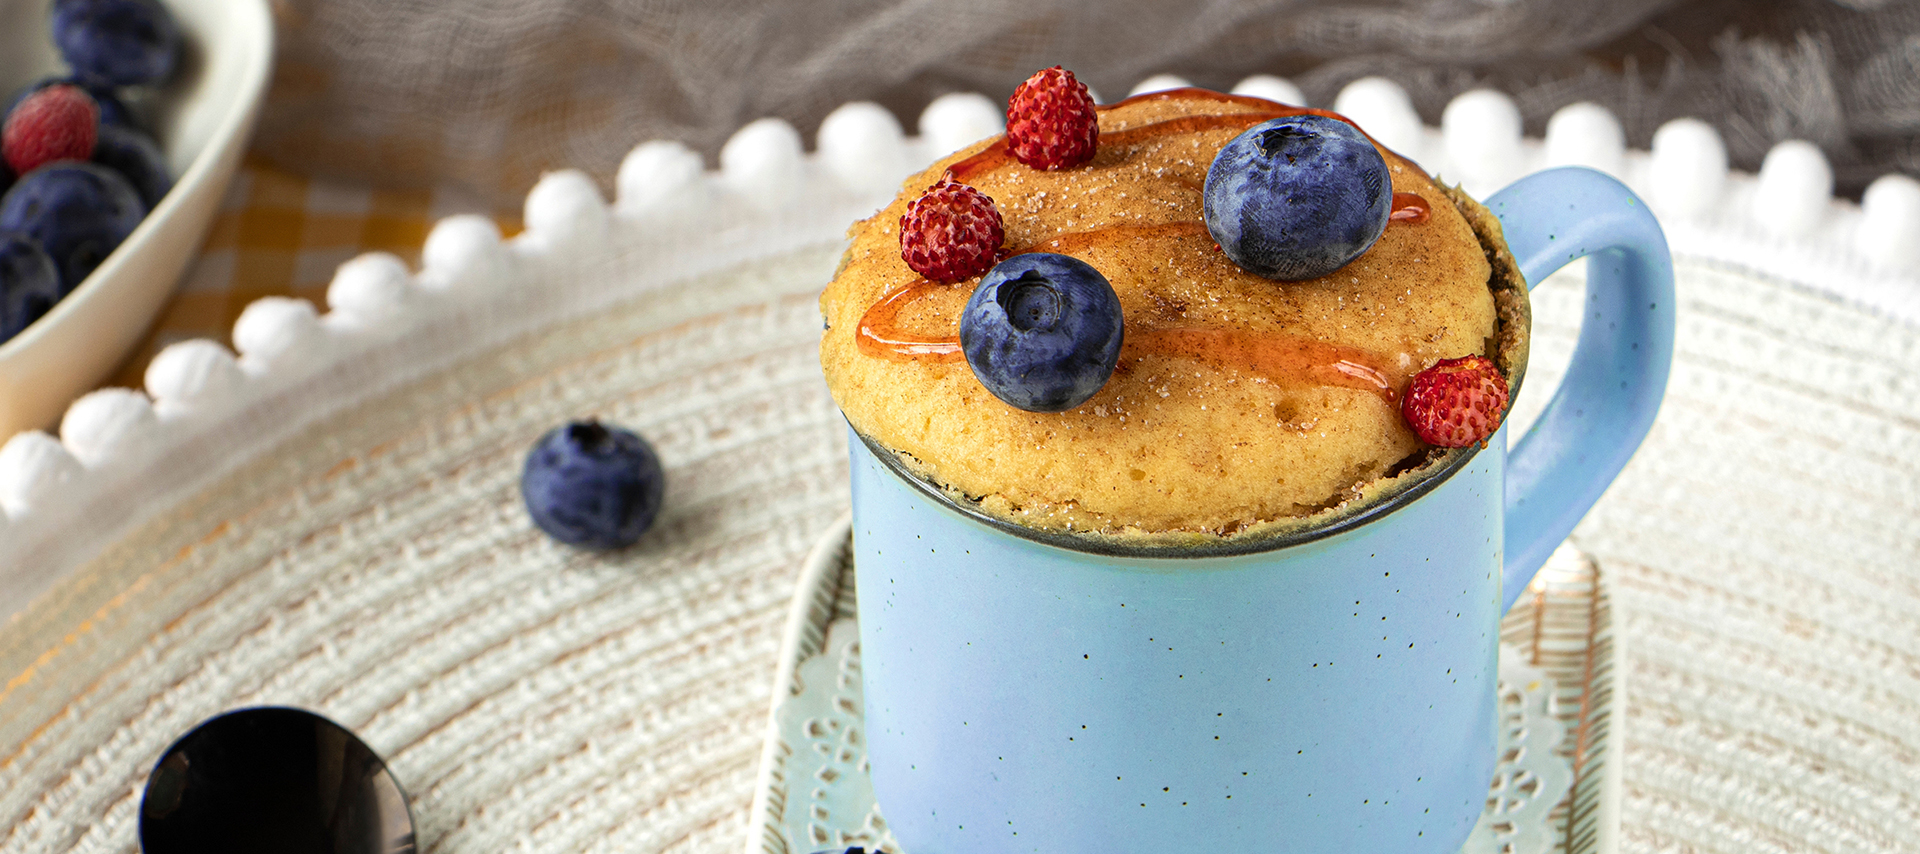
[
  {"x": 1764, "y": 548},
  {"x": 381, "y": 571},
  {"x": 1763, "y": 551}
]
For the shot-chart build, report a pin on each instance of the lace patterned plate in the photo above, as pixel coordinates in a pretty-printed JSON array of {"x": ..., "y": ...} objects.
[{"x": 815, "y": 793}]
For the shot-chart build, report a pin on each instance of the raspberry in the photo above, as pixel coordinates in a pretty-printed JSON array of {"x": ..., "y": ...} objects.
[
  {"x": 1456, "y": 403},
  {"x": 1050, "y": 121},
  {"x": 59, "y": 122},
  {"x": 951, "y": 232}
]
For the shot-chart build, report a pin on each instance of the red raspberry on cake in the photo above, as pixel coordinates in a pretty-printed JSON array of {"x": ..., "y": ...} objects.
[
  {"x": 1051, "y": 123},
  {"x": 952, "y": 232},
  {"x": 1456, "y": 403},
  {"x": 60, "y": 122}
]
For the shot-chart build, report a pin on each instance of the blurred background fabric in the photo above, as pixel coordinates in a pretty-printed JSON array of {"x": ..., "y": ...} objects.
[
  {"x": 385, "y": 115},
  {"x": 482, "y": 95}
]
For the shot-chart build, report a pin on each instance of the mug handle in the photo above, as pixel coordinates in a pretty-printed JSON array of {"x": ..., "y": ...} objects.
[{"x": 1613, "y": 386}]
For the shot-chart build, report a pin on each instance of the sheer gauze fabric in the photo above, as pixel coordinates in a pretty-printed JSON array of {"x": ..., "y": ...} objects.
[{"x": 485, "y": 94}]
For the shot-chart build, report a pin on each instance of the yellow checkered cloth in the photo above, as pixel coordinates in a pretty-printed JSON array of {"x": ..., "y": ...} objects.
[{"x": 282, "y": 233}]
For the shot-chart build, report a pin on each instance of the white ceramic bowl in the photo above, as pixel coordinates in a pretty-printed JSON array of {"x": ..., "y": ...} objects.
[{"x": 202, "y": 120}]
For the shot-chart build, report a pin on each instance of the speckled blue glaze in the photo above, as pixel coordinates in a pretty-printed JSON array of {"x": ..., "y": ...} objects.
[{"x": 1332, "y": 695}]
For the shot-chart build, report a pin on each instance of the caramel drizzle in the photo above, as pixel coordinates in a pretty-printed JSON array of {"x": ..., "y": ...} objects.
[
  {"x": 1075, "y": 241},
  {"x": 997, "y": 155},
  {"x": 1195, "y": 93},
  {"x": 880, "y": 336},
  {"x": 1410, "y": 208},
  {"x": 1277, "y": 357}
]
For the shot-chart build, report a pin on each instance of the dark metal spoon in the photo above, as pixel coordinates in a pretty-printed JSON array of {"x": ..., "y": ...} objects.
[{"x": 273, "y": 779}]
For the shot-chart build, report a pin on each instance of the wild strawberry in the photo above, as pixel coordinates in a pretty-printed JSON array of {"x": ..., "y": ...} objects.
[
  {"x": 1050, "y": 121},
  {"x": 1456, "y": 403},
  {"x": 951, "y": 232},
  {"x": 59, "y": 122}
]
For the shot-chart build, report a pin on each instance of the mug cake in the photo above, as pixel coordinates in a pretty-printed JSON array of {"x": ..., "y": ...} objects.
[{"x": 1238, "y": 403}]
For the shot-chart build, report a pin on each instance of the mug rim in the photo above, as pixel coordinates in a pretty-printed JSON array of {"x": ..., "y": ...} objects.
[{"x": 1340, "y": 520}]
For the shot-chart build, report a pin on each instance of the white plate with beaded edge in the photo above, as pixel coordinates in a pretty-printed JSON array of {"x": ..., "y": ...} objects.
[{"x": 1550, "y": 791}]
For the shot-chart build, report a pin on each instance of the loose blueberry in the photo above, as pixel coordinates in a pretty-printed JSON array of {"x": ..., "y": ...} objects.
[
  {"x": 137, "y": 157},
  {"x": 116, "y": 42},
  {"x": 588, "y": 484},
  {"x": 1297, "y": 197},
  {"x": 77, "y": 211},
  {"x": 1042, "y": 331},
  {"x": 113, "y": 111},
  {"x": 29, "y": 285}
]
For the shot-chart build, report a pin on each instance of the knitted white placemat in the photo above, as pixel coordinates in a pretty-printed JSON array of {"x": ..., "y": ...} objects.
[
  {"x": 380, "y": 570},
  {"x": 1764, "y": 547}
]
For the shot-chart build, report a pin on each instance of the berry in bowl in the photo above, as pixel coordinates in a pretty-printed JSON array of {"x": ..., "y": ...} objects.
[{"x": 124, "y": 121}]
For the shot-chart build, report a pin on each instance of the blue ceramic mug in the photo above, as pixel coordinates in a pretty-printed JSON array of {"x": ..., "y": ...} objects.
[{"x": 1328, "y": 695}]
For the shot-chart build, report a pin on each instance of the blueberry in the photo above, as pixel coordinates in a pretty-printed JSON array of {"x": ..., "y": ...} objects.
[
  {"x": 116, "y": 42},
  {"x": 587, "y": 484},
  {"x": 29, "y": 285},
  {"x": 77, "y": 211},
  {"x": 1042, "y": 331},
  {"x": 113, "y": 111},
  {"x": 1297, "y": 197},
  {"x": 136, "y": 157}
]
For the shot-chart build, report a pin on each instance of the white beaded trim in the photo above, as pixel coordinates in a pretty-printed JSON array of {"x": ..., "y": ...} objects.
[{"x": 1783, "y": 220}]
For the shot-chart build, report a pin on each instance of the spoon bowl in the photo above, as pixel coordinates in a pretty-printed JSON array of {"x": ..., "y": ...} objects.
[{"x": 273, "y": 779}]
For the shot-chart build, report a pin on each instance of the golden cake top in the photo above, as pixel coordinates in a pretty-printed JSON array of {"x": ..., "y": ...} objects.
[{"x": 1239, "y": 406}]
